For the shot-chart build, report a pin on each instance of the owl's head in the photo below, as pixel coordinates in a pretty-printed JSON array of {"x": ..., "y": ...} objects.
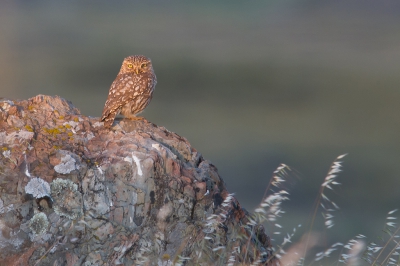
[{"x": 136, "y": 64}]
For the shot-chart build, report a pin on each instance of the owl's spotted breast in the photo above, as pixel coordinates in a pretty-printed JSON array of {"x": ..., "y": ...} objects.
[{"x": 131, "y": 91}]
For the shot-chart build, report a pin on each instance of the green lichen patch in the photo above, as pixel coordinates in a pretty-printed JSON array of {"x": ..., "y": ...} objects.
[
  {"x": 29, "y": 128},
  {"x": 52, "y": 131},
  {"x": 38, "y": 224},
  {"x": 67, "y": 199}
]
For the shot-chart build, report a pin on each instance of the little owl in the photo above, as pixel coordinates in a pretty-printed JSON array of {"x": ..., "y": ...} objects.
[{"x": 131, "y": 90}]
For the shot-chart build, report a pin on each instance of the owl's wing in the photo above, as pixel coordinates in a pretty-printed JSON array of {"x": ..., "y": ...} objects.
[{"x": 119, "y": 93}]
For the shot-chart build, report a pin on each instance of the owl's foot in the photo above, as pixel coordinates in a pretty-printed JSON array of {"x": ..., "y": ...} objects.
[{"x": 135, "y": 118}]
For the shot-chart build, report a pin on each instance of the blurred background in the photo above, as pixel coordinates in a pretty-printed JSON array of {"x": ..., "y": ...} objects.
[{"x": 249, "y": 84}]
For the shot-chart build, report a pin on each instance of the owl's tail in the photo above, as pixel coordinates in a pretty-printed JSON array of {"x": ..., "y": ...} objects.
[{"x": 108, "y": 119}]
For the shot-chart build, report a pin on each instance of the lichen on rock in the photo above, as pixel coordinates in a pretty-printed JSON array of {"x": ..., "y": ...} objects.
[
  {"x": 67, "y": 164},
  {"x": 67, "y": 199},
  {"x": 38, "y": 188},
  {"x": 39, "y": 224}
]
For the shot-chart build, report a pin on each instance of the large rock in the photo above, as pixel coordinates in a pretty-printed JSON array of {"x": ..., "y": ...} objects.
[{"x": 75, "y": 193}]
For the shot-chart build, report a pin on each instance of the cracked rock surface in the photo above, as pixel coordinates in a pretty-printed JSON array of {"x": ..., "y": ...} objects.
[{"x": 75, "y": 193}]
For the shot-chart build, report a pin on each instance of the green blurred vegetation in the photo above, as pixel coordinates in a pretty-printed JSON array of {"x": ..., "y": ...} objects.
[{"x": 251, "y": 85}]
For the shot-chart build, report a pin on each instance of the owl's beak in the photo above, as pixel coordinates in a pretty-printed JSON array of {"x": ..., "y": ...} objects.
[{"x": 136, "y": 70}]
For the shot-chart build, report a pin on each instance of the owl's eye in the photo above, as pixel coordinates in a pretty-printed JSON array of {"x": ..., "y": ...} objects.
[
  {"x": 130, "y": 65},
  {"x": 143, "y": 65}
]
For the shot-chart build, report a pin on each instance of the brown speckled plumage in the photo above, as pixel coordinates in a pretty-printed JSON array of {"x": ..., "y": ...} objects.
[{"x": 131, "y": 90}]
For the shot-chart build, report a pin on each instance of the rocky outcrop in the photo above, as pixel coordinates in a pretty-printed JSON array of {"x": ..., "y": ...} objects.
[{"x": 75, "y": 193}]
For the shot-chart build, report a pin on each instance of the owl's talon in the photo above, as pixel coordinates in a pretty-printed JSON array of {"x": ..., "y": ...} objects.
[{"x": 135, "y": 118}]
